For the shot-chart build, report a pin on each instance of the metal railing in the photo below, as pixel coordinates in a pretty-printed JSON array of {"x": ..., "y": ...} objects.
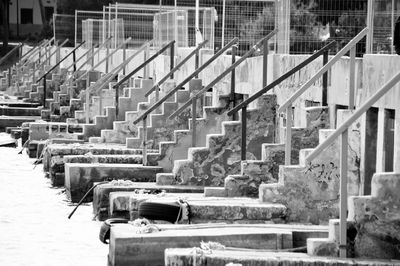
[
  {"x": 105, "y": 58},
  {"x": 243, "y": 105},
  {"x": 342, "y": 131},
  {"x": 58, "y": 47},
  {"x": 56, "y": 65},
  {"x": 170, "y": 45},
  {"x": 36, "y": 50},
  {"x": 89, "y": 59},
  {"x": 104, "y": 81},
  {"x": 193, "y": 100},
  {"x": 287, "y": 106},
  {"x": 143, "y": 116},
  {"x": 4, "y": 58}
]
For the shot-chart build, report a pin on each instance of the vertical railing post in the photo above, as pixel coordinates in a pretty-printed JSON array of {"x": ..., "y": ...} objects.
[
  {"x": 194, "y": 106},
  {"x": 9, "y": 76},
  {"x": 87, "y": 94},
  {"x": 244, "y": 128},
  {"x": 116, "y": 101},
  {"x": 107, "y": 55},
  {"x": 124, "y": 58},
  {"x": 197, "y": 63},
  {"x": 233, "y": 82},
  {"x": 74, "y": 60},
  {"x": 146, "y": 68},
  {"x": 343, "y": 194},
  {"x": 288, "y": 142},
  {"x": 44, "y": 90},
  {"x": 91, "y": 56},
  {"x": 325, "y": 80},
  {"x": 144, "y": 153},
  {"x": 265, "y": 62},
  {"x": 172, "y": 59},
  {"x": 352, "y": 77}
]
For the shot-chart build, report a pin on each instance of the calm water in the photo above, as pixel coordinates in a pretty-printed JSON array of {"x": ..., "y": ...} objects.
[{"x": 34, "y": 228}]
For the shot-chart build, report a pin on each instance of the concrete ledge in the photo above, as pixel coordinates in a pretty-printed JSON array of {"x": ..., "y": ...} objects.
[
  {"x": 79, "y": 178},
  {"x": 129, "y": 248},
  {"x": 184, "y": 257},
  {"x": 101, "y": 194},
  {"x": 206, "y": 209}
]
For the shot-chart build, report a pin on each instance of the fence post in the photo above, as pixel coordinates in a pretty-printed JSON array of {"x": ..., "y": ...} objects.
[
  {"x": 265, "y": 62},
  {"x": 172, "y": 59},
  {"x": 233, "y": 83},
  {"x": 325, "y": 80},
  {"x": 144, "y": 153},
  {"x": 44, "y": 90},
  {"x": 288, "y": 142},
  {"x": 352, "y": 77},
  {"x": 244, "y": 128},
  {"x": 343, "y": 194},
  {"x": 194, "y": 107}
]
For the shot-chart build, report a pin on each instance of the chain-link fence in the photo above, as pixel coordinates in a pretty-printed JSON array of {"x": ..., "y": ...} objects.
[
  {"x": 64, "y": 27},
  {"x": 382, "y": 17}
]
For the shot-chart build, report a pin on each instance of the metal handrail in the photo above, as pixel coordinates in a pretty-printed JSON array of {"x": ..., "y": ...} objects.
[
  {"x": 243, "y": 106},
  {"x": 104, "y": 81},
  {"x": 223, "y": 74},
  {"x": 351, "y": 46},
  {"x": 326, "y": 67},
  {"x": 56, "y": 65},
  {"x": 10, "y": 53},
  {"x": 177, "y": 67},
  {"x": 145, "y": 63},
  {"x": 81, "y": 57},
  {"x": 342, "y": 131},
  {"x": 180, "y": 85},
  {"x": 39, "y": 47},
  {"x": 31, "y": 50},
  {"x": 95, "y": 53},
  {"x": 51, "y": 54},
  {"x": 105, "y": 58}
]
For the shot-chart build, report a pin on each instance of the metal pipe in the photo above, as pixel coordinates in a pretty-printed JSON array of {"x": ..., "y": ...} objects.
[
  {"x": 233, "y": 79},
  {"x": 325, "y": 59},
  {"x": 144, "y": 141},
  {"x": 194, "y": 107},
  {"x": 343, "y": 194},
  {"x": 352, "y": 78},
  {"x": 244, "y": 133},
  {"x": 288, "y": 142},
  {"x": 172, "y": 59}
]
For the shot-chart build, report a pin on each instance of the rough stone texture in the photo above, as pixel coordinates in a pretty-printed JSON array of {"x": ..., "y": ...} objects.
[
  {"x": 254, "y": 173},
  {"x": 185, "y": 257},
  {"x": 377, "y": 218},
  {"x": 79, "y": 178},
  {"x": 311, "y": 192},
  {"x": 208, "y": 166}
]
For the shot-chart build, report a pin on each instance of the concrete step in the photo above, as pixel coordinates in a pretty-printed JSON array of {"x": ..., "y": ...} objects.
[
  {"x": 56, "y": 172},
  {"x": 19, "y": 111},
  {"x": 129, "y": 247},
  {"x": 79, "y": 178},
  {"x": 101, "y": 194},
  {"x": 15, "y": 121},
  {"x": 203, "y": 209},
  {"x": 184, "y": 257}
]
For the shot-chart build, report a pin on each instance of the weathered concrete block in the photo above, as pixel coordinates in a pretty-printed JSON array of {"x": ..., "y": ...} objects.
[
  {"x": 128, "y": 247},
  {"x": 79, "y": 178}
]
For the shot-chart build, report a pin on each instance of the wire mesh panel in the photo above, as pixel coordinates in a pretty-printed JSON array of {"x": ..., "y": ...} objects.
[
  {"x": 172, "y": 25},
  {"x": 384, "y": 14},
  {"x": 80, "y": 16},
  {"x": 64, "y": 27},
  {"x": 314, "y": 23},
  {"x": 247, "y": 19}
]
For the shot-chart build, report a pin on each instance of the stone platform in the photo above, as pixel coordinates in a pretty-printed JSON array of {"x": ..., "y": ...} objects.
[
  {"x": 79, "y": 177},
  {"x": 129, "y": 247},
  {"x": 101, "y": 194},
  {"x": 204, "y": 209},
  {"x": 184, "y": 257}
]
